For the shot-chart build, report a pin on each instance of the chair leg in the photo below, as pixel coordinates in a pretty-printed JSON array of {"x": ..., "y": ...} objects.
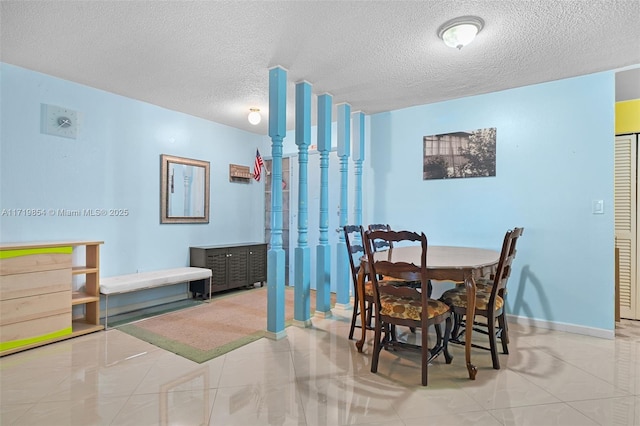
[
  {"x": 377, "y": 345},
  {"x": 493, "y": 345},
  {"x": 437, "y": 346},
  {"x": 447, "y": 333},
  {"x": 455, "y": 334},
  {"x": 369, "y": 313},
  {"x": 425, "y": 355},
  {"x": 504, "y": 334},
  {"x": 354, "y": 317}
]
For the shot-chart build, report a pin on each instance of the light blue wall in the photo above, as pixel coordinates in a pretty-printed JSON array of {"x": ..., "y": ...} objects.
[
  {"x": 115, "y": 163},
  {"x": 554, "y": 157},
  {"x": 554, "y": 154}
]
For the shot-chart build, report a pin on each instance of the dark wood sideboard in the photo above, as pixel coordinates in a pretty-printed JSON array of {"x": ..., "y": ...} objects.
[{"x": 232, "y": 266}]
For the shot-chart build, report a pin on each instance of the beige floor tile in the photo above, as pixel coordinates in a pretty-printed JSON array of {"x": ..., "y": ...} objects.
[
  {"x": 167, "y": 407},
  {"x": 475, "y": 418},
  {"x": 435, "y": 401},
  {"x": 270, "y": 368},
  {"x": 559, "y": 414},
  {"x": 315, "y": 376},
  {"x": 258, "y": 404},
  {"x": 330, "y": 359},
  {"x": 507, "y": 389},
  {"x": 571, "y": 383},
  {"x": 80, "y": 412},
  {"x": 347, "y": 400},
  {"x": 118, "y": 380},
  {"x": 174, "y": 371},
  {"x": 10, "y": 413},
  {"x": 611, "y": 411}
]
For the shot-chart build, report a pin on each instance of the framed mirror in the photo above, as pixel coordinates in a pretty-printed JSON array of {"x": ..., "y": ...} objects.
[{"x": 184, "y": 190}]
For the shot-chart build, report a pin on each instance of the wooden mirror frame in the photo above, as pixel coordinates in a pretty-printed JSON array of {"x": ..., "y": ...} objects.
[{"x": 167, "y": 187}]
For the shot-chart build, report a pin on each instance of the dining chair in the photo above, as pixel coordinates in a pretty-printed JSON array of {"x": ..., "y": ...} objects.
[
  {"x": 354, "y": 238},
  {"x": 380, "y": 244},
  {"x": 395, "y": 303},
  {"x": 490, "y": 301},
  {"x": 387, "y": 245}
]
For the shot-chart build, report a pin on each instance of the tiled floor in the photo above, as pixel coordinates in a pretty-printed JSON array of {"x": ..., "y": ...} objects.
[{"x": 316, "y": 377}]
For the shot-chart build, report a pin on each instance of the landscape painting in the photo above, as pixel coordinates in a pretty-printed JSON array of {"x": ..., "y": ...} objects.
[{"x": 460, "y": 154}]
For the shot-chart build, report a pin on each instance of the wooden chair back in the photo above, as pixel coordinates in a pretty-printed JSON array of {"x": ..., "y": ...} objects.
[
  {"x": 354, "y": 238},
  {"x": 507, "y": 255},
  {"x": 402, "y": 271},
  {"x": 380, "y": 244}
]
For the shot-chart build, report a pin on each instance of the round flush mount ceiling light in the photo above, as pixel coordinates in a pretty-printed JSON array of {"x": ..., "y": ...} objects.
[
  {"x": 254, "y": 116},
  {"x": 459, "y": 32}
]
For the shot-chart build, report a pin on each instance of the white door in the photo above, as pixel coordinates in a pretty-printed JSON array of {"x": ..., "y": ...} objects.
[{"x": 626, "y": 223}]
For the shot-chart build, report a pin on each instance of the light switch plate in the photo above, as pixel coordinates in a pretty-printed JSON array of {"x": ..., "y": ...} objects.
[
  {"x": 598, "y": 207},
  {"x": 59, "y": 121}
]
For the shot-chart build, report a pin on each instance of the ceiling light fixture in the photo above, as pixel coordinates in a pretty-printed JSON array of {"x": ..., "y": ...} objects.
[
  {"x": 459, "y": 32},
  {"x": 254, "y": 116}
]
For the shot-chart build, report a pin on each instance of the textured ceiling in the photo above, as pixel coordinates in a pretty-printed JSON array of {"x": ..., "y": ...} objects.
[{"x": 211, "y": 58}]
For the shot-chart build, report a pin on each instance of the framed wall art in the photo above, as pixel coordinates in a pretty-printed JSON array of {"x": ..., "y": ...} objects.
[
  {"x": 464, "y": 154},
  {"x": 184, "y": 190}
]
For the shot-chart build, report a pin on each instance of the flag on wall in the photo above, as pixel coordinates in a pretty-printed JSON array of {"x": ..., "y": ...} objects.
[{"x": 257, "y": 166}]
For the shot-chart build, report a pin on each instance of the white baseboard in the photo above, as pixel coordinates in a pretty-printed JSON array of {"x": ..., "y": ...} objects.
[
  {"x": 558, "y": 326},
  {"x": 275, "y": 336},
  {"x": 343, "y": 306},
  {"x": 302, "y": 324},
  {"x": 323, "y": 315}
]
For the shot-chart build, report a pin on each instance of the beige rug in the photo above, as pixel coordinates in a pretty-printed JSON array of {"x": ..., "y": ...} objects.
[{"x": 212, "y": 329}]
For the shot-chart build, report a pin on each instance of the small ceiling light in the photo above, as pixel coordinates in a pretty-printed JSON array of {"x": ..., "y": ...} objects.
[
  {"x": 459, "y": 32},
  {"x": 254, "y": 116}
]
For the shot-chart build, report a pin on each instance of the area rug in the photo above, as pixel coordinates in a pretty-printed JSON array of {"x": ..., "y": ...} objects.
[{"x": 212, "y": 329}]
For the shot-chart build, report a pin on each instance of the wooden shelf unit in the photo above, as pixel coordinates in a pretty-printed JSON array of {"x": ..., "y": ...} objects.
[
  {"x": 91, "y": 297},
  {"x": 36, "y": 296}
]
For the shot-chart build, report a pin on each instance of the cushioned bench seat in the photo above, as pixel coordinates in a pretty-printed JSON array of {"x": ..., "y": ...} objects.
[{"x": 146, "y": 280}]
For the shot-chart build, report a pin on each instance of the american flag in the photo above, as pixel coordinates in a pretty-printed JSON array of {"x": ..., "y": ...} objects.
[{"x": 257, "y": 166}]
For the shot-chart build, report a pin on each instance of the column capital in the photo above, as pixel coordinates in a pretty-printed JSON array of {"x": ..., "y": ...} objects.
[
  {"x": 344, "y": 130},
  {"x": 277, "y": 102}
]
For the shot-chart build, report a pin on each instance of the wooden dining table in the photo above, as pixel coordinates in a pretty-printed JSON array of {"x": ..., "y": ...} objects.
[{"x": 444, "y": 263}]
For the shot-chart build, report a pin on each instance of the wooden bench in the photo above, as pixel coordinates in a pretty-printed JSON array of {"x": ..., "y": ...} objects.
[{"x": 145, "y": 280}]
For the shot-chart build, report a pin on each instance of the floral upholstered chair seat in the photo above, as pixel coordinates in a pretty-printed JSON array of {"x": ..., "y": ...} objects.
[
  {"x": 457, "y": 297},
  {"x": 406, "y": 308},
  {"x": 483, "y": 285}
]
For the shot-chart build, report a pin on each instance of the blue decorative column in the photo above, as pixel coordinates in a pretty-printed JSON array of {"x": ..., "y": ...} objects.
[
  {"x": 323, "y": 260},
  {"x": 301, "y": 307},
  {"x": 276, "y": 256},
  {"x": 343, "y": 298},
  {"x": 358, "y": 158}
]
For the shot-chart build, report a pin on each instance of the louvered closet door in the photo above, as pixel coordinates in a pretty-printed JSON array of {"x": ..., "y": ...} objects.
[{"x": 626, "y": 219}]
